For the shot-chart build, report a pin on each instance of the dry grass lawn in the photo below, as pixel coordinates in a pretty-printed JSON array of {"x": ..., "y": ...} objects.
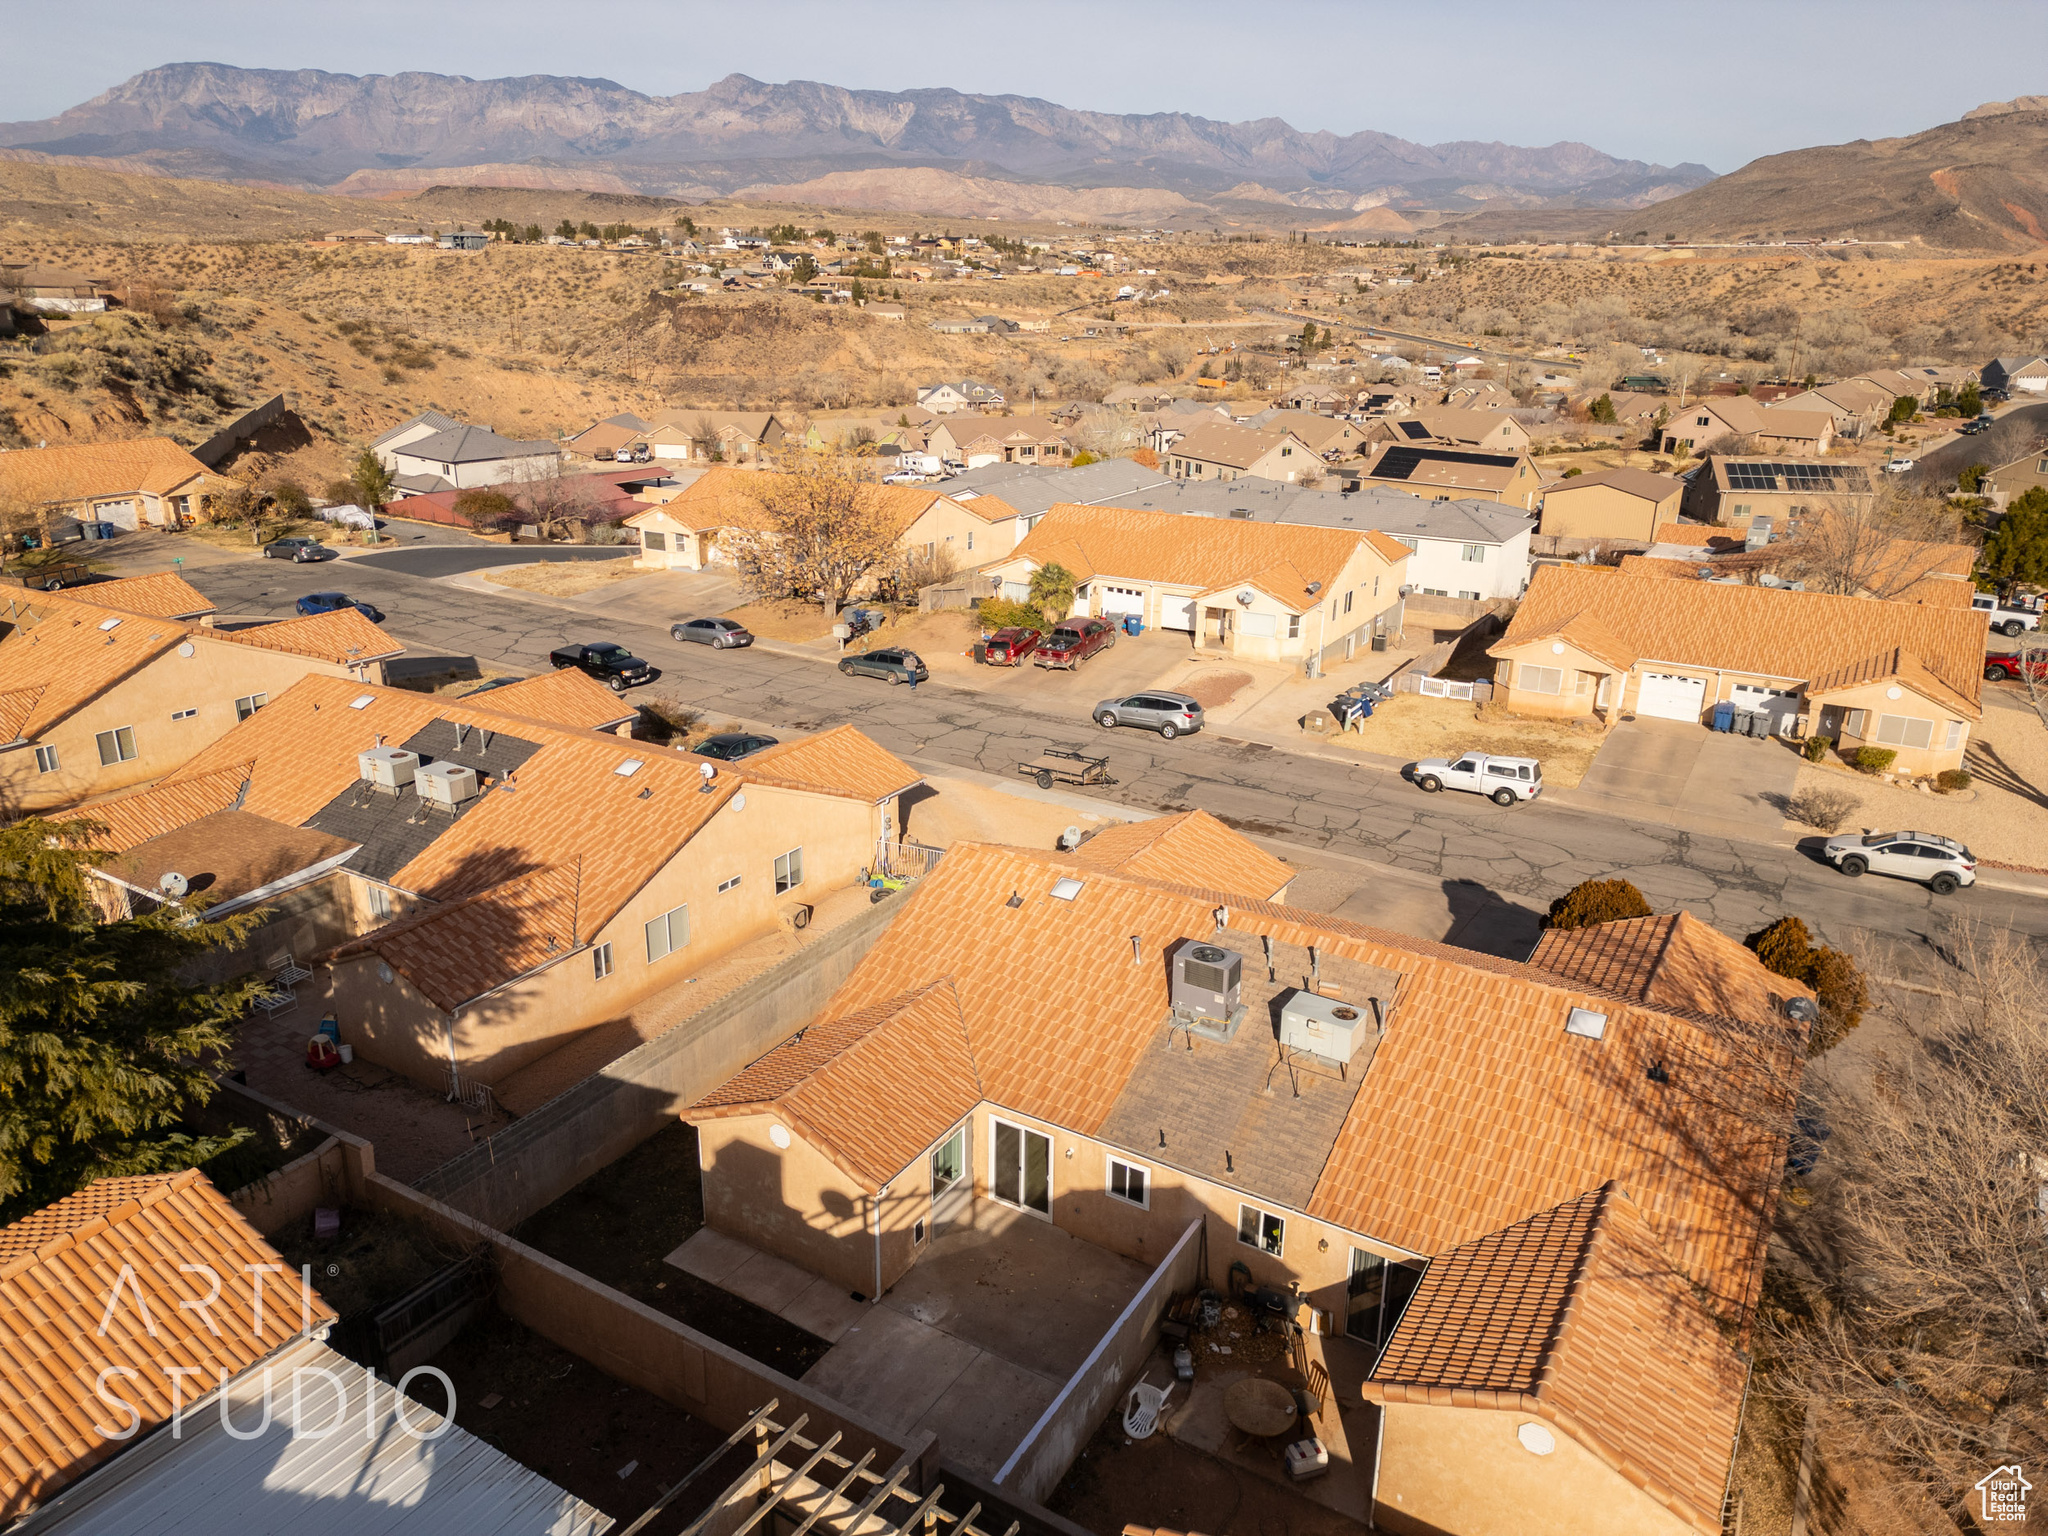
[
  {"x": 1408, "y": 726},
  {"x": 454, "y": 682},
  {"x": 794, "y": 622},
  {"x": 563, "y": 578}
]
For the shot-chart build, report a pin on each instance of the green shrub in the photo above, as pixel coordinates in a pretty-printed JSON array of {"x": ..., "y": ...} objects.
[
  {"x": 1816, "y": 748},
  {"x": 997, "y": 613},
  {"x": 1873, "y": 759},
  {"x": 1596, "y": 901},
  {"x": 1952, "y": 780},
  {"x": 1786, "y": 949}
]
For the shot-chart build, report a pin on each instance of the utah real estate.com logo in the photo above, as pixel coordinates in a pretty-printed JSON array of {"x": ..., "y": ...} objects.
[{"x": 2004, "y": 1492}]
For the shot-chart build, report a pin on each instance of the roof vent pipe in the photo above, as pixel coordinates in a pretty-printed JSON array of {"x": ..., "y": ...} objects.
[
  {"x": 1315, "y": 968},
  {"x": 1379, "y": 1015},
  {"x": 1222, "y": 918},
  {"x": 1137, "y": 949},
  {"x": 1267, "y": 940}
]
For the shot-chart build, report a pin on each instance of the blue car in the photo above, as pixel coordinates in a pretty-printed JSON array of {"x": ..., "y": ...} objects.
[{"x": 334, "y": 602}]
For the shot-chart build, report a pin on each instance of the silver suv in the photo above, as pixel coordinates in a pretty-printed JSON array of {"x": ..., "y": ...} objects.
[
  {"x": 1170, "y": 714},
  {"x": 1939, "y": 863}
]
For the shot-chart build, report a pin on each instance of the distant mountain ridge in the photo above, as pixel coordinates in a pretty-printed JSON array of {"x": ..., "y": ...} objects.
[{"x": 318, "y": 129}]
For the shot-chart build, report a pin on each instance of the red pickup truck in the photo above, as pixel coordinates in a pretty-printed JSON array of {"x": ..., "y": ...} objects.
[{"x": 1074, "y": 642}]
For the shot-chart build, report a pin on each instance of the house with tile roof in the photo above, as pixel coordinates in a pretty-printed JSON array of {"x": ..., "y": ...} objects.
[
  {"x": 1172, "y": 847},
  {"x": 715, "y": 437},
  {"x": 1330, "y": 437},
  {"x": 559, "y": 875},
  {"x": 1490, "y": 1185},
  {"x": 1457, "y": 426},
  {"x": 975, "y": 442},
  {"x": 1861, "y": 672},
  {"x": 1225, "y": 451},
  {"x": 1438, "y": 473},
  {"x": 111, "y": 685},
  {"x": 1780, "y": 429},
  {"x": 1734, "y": 490},
  {"x": 1274, "y": 591},
  {"x": 1895, "y": 570},
  {"x": 1627, "y": 504},
  {"x": 148, "y": 482}
]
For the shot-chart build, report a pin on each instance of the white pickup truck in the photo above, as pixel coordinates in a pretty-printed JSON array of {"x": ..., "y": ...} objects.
[
  {"x": 2007, "y": 621},
  {"x": 1503, "y": 780}
]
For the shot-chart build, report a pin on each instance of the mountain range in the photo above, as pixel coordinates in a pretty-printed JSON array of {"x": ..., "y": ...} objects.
[{"x": 378, "y": 134}]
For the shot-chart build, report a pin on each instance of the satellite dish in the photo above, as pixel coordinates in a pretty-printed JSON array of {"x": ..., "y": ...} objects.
[
  {"x": 173, "y": 884},
  {"x": 1245, "y": 597},
  {"x": 1070, "y": 839},
  {"x": 1802, "y": 1009},
  {"x": 708, "y": 770}
]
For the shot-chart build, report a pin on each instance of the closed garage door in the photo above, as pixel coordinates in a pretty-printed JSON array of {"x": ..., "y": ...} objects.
[
  {"x": 121, "y": 514},
  {"x": 1177, "y": 613},
  {"x": 1117, "y": 601},
  {"x": 1667, "y": 696}
]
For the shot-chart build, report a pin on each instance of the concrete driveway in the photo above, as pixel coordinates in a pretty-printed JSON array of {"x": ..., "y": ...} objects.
[{"x": 1738, "y": 780}]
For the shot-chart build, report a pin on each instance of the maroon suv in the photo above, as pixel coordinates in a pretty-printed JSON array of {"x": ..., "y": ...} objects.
[
  {"x": 1074, "y": 642},
  {"x": 1009, "y": 647}
]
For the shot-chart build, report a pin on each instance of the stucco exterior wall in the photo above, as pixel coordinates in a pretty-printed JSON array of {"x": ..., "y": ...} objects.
[
  {"x": 1875, "y": 700},
  {"x": 948, "y": 526},
  {"x": 209, "y": 680},
  {"x": 1462, "y": 1470},
  {"x": 682, "y": 548},
  {"x": 1572, "y": 700},
  {"x": 1605, "y": 512}
]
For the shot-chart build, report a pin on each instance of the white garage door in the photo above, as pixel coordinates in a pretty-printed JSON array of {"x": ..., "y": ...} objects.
[
  {"x": 121, "y": 514},
  {"x": 1177, "y": 613},
  {"x": 1667, "y": 696},
  {"x": 1117, "y": 601}
]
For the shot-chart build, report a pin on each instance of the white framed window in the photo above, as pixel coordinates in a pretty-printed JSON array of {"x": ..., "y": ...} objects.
[
  {"x": 1539, "y": 679},
  {"x": 1853, "y": 722},
  {"x": 970, "y": 538},
  {"x": 1020, "y": 1167},
  {"x": 1261, "y": 1230},
  {"x": 1294, "y": 626},
  {"x": 653, "y": 538},
  {"x": 116, "y": 746},
  {"x": 46, "y": 760},
  {"x": 789, "y": 870},
  {"x": 1347, "y": 600},
  {"x": 668, "y": 933},
  {"x": 1131, "y": 1183},
  {"x": 1904, "y": 731},
  {"x": 1955, "y": 735},
  {"x": 379, "y": 901},
  {"x": 183, "y": 714},
  {"x": 601, "y": 961},
  {"x": 728, "y": 885},
  {"x": 1475, "y": 554},
  {"x": 1470, "y": 597},
  {"x": 248, "y": 704}
]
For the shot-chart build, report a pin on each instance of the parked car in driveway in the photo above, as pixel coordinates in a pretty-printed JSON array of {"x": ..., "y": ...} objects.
[
  {"x": 1503, "y": 780},
  {"x": 723, "y": 634},
  {"x": 613, "y": 665},
  {"x": 1074, "y": 642},
  {"x": 1170, "y": 714},
  {"x": 2000, "y": 665},
  {"x": 893, "y": 666},
  {"x": 1009, "y": 647},
  {"x": 1939, "y": 863},
  {"x": 295, "y": 548},
  {"x": 1899, "y": 466},
  {"x": 334, "y": 602},
  {"x": 2006, "y": 620},
  {"x": 731, "y": 746}
]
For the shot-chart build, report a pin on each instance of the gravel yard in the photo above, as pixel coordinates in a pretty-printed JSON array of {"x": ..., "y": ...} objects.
[{"x": 1409, "y": 726}]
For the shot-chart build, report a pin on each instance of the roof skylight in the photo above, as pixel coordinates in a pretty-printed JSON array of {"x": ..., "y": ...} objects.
[{"x": 1066, "y": 888}]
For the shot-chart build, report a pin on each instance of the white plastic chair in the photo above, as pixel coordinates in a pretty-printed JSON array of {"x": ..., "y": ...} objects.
[{"x": 1143, "y": 1407}]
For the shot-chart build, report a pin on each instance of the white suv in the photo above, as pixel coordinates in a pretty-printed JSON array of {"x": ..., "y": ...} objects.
[
  {"x": 1939, "y": 863},
  {"x": 1503, "y": 780}
]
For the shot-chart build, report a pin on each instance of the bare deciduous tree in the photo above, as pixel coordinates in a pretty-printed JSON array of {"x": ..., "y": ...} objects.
[
  {"x": 822, "y": 532},
  {"x": 550, "y": 496},
  {"x": 1881, "y": 546},
  {"x": 1918, "y": 1330}
]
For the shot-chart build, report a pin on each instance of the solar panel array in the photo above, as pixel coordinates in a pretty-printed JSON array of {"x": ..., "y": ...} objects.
[
  {"x": 1819, "y": 479},
  {"x": 1414, "y": 428},
  {"x": 1399, "y": 463}
]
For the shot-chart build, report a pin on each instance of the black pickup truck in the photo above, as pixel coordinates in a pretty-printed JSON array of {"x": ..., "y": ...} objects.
[{"x": 613, "y": 665}]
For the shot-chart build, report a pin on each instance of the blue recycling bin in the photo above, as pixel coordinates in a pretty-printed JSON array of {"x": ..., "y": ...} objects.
[
  {"x": 1724, "y": 716},
  {"x": 1133, "y": 625}
]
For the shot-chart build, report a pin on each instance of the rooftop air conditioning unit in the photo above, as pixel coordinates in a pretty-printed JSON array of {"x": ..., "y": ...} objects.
[
  {"x": 1327, "y": 1027},
  {"x": 446, "y": 785},
  {"x": 387, "y": 768},
  {"x": 1759, "y": 533},
  {"x": 1206, "y": 981}
]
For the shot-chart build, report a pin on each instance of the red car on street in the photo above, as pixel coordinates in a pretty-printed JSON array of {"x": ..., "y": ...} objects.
[
  {"x": 1009, "y": 647},
  {"x": 1074, "y": 642},
  {"x": 2000, "y": 665}
]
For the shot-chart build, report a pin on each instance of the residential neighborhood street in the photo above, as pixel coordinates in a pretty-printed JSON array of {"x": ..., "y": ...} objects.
[{"x": 1523, "y": 856}]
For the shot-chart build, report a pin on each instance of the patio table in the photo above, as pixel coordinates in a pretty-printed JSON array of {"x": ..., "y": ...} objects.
[{"x": 1259, "y": 1407}]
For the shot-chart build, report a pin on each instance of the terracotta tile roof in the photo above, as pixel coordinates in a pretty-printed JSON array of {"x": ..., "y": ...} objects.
[
  {"x": 58, "y": 1269},
  {"x": 725, "y": 497},
  {"x": 840, "y": 761},
  {"x": 1578, "y": 1316},
  {"x": 57, "y": 650},
  {"x": 989, "y": 508},
  {"x": 1901, "y": 666},
  {"x": 1754, "y": 630},
  {"x": 1701, "y": 534},
  {"x": 344, "y": 637},
  {"x": 1235, "y": 447},
  {"x": 165, "y": 595},
  {"x": 136, "y": 818},
  {"x": 1193, "y": 848},
  {"x": 79, "y": 472},
  {"x": 565, "y": 697},
  {"x": 1205, "y": 553},
  {"x": 1675, "y": 961},
  {"x": 1633, "y": 482},
  {"x": 459, "y": 950},
  {"x": 17, "y": 706},
  {"x": 1477, "y": 1110},
  {"x": 910, "y": 1051}
]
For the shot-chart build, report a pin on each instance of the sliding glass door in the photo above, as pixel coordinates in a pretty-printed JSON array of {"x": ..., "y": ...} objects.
[{"x": 1020, "y": 1168}]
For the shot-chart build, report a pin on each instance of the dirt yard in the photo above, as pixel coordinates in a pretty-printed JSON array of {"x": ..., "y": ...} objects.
[
  {"x": 2004, "y": 817},
  {"x": 795, "y": 622},
  {"x": 1215, "y": 688},
  {"x": 1408, "y": 726},
  {"x": 563, "y": 578},
  {"x": 453, "y": 682},
  {"x": 957, "y": 811}
]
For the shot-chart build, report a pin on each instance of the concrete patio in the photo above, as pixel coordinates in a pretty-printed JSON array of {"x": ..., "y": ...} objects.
[{"x": 973, "y": 1343}]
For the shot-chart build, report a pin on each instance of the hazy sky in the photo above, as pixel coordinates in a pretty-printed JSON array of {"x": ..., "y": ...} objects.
[{"x": 1720, "y": 86}]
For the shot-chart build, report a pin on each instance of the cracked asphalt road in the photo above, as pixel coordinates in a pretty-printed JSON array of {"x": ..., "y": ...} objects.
[{"x": 1526, "y": 855}]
